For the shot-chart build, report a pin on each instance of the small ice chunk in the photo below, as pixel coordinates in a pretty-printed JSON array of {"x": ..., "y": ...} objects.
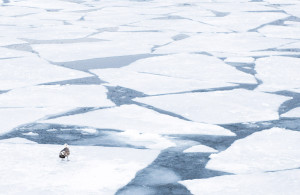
[
  {"x": 292, "y": 113},
  {"x": 90, "y": 170},
  {"x": 290, "y": 32},
  {"x": 17, "y": 140},
  {"x": 200, "y": 148},
  {"x": 30, "y": 134},
  {"x": 268, "y": 150},
  {"x": 281, "y": 182},
  {"x": 57, "y": 96},
  {"x": 278, "y": 73},
  {"x": 89, "y": 130},
  {"x": 143, "y": 120},
  {"x": 220, "y": 107},
  {"x": 153, "y": 84},
  {"x": 20, "y": 72}
]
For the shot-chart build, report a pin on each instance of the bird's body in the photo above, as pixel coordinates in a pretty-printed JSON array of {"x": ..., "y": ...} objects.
[{"x": 65, "y": 152}]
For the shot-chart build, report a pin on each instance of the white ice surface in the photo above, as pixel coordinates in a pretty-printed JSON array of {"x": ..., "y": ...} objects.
[
  {"x": 13, "y": 117},
  {"x": 143, "y": 120},
  {"x": 220, "y": 107},
  {"x": 225, "y": 43},
  {"x": 20, "y": 72},
  {"x": 79, "y": 51},
  {"x": 278, "y": 73},
  {"x": 4, "y": 41},
  {"x": 36, "y": 169},
  {"x": 244, "y": 21},
  {"x": 11, "y": 53},
  {"x": 57, "y": 96},
  {"x": 17, "y": 140},
  {"x": 294, "y": 45},
  {"x": 239, "y": 59},
  {"x": 200, "y": 148},
  {"x": 292, "y": 113},
  {"x": 269, "y": 150},
  {"x": 192, "y": 66},
  {"x": 153, "y": 84},
  {"x": 282, "y": 182},
  {"x": 281, "y": 31}
]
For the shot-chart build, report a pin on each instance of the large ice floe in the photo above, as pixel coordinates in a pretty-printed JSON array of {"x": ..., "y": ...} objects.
[
  {"x": 282, "y": 182},
  {"x": 294, "y": 113},
  {"x": 281, "y": 31},
  {"x": 220, "y": 107},
  {"x": 36, "y": 168},
  {"x": 13, "y": 117},
  {"x": 278, "y": 73},
  {"x": 20, "y": 72},
  {"x": 139, "y": 119},
  {"x": 269, "y": 150},
  {"x": 57, "y": 96}
]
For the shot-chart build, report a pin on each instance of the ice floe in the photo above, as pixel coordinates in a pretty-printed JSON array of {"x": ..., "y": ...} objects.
[
  {"x": 11, "y": 53},
  {"x": 240, "y": 59},
  {"x": 200, "y": 148},
  {"x": 17, "y": 140},
  {"x": 292, "y": 113},
  {"x": 4, "y": 41},
  {"x": 281, "y": 31},
  {"x": 244, "y": 21},
  {"x": 224, "y": 43},
  {"x": 192, "y": 66},
  {"x": 91, "y": 169},
  {"x": 68, "y": 96},
  {"x": 282, "y": 182},
  {"x": 20, "y": 72},
  {"x": 220, "y": 107},
  {"x": 143, "y": 120},
  {"x": 269, "y": 150},
  {"x": 13, "y": 117},
  {"x": 278, "y": 73},
  {"x": 153, "y": 84}
]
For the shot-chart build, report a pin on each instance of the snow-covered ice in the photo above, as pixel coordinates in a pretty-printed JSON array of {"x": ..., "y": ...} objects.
[
  {"x": 69, "y": 96},
  {"x": 143, "y": 120},
  {"x": 200, "y": 148},
  {"x": 153, "y": 84},
  {"x": 290, "y": 32},
  {"x": 240, "y": 59},
  {"x": 21, "y": 72},
  {"x": 282, "y": 182},
  {"x": 36, "y": 169},
  {"x": 192, "y": 66},
  {"x": 278, "y": 73},
  {"x": 292, "y": 113},
  {"x": 269, "y": 150},
  {"x": 220, "y": 107}
]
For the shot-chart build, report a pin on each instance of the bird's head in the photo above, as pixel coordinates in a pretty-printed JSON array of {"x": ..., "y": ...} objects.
[{"x": 66, "y": 145}]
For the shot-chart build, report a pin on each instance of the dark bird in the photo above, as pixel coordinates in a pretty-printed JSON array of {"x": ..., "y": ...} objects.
[{"x": 65, "y": 152}]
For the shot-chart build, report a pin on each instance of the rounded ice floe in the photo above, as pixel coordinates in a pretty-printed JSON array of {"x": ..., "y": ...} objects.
[
  {"x": 192, "y": 66},
  {"x": 294, "y": 113},
  {"x": 20, "y": 72},
  {"x": 68, "y": 96},
  {"x": 269, "y": 150},
  {"x": 140, "y": 119},
  {"x": 91, "y": 170},
  {"x": 220, "y": 107},
  {"x": 278, "y": 73},
  {"x": 200, "y": 148},
  {"x": 282, "y": 182}
]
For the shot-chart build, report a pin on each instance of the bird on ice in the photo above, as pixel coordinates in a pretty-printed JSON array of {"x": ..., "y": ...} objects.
[{"x": 65, "y": 152}]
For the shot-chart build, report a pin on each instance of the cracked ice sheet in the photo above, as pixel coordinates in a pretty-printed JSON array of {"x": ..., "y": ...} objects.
[
  {"x": 289, "y": 32},
  {"x": 192, "y": 66},
  {"x": 152, "y": 84},
  {"x": 18, "y": 11},
  {"x": 292, "y": 113},
  {"x": 4, "y": 41},
  {"x": 278, "y": 73},
  {"x": 57, "y": 96},
  {"x": 91, "y": 169},
  {"x": 220, "y": 107},
  {"x": 14, "y": 117},
  {"x": 79, "y": 51},
  {"x": 225, "y": 43},
  {"x": 20, "y": 72},
  {"x": 140, "y": 119},
  {"x": 269, "y": 150},
  {"x": 243, "y": 21},
  {"x": 11, "y": 53},
  {"x": 283, "y": 182},
  {"x": 234, "y": 6}
]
